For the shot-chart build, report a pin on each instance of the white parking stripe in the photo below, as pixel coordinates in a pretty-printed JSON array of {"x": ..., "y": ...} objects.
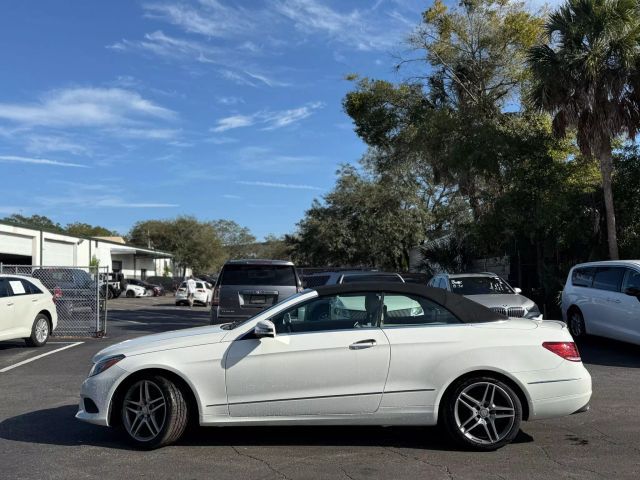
[{"x": 29, "y": 360}]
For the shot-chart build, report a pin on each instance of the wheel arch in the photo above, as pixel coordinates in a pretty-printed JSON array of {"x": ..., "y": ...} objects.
[
  {"x": 515, "y": 385},
  {"x": 181, "y": 382},
  {"x": 47, "y": 314}
]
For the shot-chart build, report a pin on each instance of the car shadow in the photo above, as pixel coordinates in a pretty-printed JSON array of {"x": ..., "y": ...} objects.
[
  {"x": 610, "y": 353},
  {"x": 57, "y": 426}
]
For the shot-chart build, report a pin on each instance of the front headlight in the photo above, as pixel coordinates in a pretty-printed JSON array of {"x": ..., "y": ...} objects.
[
  {"x": 104, "y": 364},
  {"x": 534, "y": 312}
]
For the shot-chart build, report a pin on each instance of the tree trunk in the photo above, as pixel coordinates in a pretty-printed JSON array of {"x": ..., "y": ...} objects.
[{"x": 606, "y": 168}]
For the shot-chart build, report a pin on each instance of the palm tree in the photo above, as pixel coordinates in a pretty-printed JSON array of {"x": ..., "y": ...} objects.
[{"x": 587, "y": 77}]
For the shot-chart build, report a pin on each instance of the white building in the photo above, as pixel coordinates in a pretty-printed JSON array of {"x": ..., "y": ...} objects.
[{"x": 23, "y": 245}]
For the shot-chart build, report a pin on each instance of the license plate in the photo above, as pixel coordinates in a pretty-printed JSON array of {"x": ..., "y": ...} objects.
[{"x": 257, "y": 299}]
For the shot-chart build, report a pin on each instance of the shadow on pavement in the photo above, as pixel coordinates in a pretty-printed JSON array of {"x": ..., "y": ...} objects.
[
  {"x": 611, "y": 353},
  {"x": 57, "y": 426}
]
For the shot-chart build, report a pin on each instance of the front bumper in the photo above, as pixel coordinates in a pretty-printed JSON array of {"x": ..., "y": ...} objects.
[{"x": 100, "y": 389}]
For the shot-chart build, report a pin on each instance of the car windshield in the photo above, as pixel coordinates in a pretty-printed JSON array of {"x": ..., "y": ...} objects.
[
  {"x": 237, "y": 323},
  {"x": 371, "y": 278},
  {"x": 479, "y": 286},
  {"x": 258, "y": 275}
]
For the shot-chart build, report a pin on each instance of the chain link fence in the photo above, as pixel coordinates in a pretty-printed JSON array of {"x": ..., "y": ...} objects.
[{"x": 80, "y": 295}]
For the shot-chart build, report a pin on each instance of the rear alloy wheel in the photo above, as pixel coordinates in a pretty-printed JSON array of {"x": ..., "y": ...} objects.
[
  {"x": 576, "y": 324},
  {"x": 154, "y": 412},
  {"x": 39, "y": 331},
  {"x": 482, "y": 413}
]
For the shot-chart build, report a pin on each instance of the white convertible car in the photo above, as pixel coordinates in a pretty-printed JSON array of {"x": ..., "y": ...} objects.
[{"x": 355, "y": 354}]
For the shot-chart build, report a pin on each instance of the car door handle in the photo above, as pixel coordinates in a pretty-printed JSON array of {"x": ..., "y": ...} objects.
[
  {"x": 362, "y": 344},
  {"x": 9, "y": 304}
]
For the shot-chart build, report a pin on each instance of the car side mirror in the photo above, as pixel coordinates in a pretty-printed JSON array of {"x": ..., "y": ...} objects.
[
  {"x": 633, "y": 291},
  {"x": 265, "y": 328},
  {"x": 517, "y": 290}
]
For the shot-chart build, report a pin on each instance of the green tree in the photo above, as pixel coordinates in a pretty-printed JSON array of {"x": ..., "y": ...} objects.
[
  {"x": 34, "y": 221},
  {"x": 87, "y": 230},
  {"x": 194, "y": 244},
  {"x": 587, "y": 75},
  {"x": 237, "y": 240}
]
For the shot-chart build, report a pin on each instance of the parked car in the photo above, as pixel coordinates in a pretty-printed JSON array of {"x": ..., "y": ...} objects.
[
  {"x": 407, "y": 355},
  {"x": 135, "y": 289},
  {"x": 74, "y": 289},
  {"x": 168, "y": 284},
  {"x": 490, "y": 290},
  {"x": 203, "y": 293},
  {"x": 351, "y": 276},
  {"x": 27, "y": 310},
  {"x": 603, "y": 298},
  {"x": 150, "y": 290},
  {"x": 246, "y": 287}
]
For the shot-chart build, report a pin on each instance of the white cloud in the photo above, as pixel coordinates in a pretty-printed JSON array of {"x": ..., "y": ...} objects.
[
  {"x": 229, "y": 100},
  {"x": 50, "y": 143},
  {"x": 234, "y": 121},
  {"x": 221, "y": 140},
  {"x": 164, "y": 45},
  {"x": 267, "y": 81},
  {"x": 92, "y": 200},
  {"x": 38, "y": 161},
  {"x": 237, "y": 78},
  {"x": 232, "y": 197},
  {"x": 211, "y": 18},
  {"x": 294, "y": 186},
  {"x": 77, "y": 107},
  {"x": 146, "y": 133},
  {"x": 264, "y": 159},
  {"x": 270, "y": 120},
  {"x": 360, "y": 29}
]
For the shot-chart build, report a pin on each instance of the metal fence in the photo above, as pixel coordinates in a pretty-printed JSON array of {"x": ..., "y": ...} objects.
[{"x": 79, "y": 294}]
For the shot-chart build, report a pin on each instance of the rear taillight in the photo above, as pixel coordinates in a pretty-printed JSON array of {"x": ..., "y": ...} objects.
[
  {"x": 200, "y": 290},
  {"x": 215, "y": 301},
  {"x": 567, "y": 350},
  {"x": 57, "y": 293}
]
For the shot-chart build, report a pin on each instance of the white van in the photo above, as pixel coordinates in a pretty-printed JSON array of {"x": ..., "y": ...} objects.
[{"x": 603, "y": 298}]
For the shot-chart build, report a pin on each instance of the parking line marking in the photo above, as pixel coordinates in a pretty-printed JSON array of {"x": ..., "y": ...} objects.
[{"x": 29, "y": 360}]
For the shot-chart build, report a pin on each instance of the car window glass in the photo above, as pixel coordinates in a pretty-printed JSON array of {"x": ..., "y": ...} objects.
[
  {"x": 480, "y": 286},
  {"x": 258, "y": 275},
  {"x": 411, "y": 310},
  {"x": 358, "y": 278},
  {"x": 608, "y": 278},
  {"x": 631, "y": 280},
  {"x": 17, "y": 287},
  {"x": 199, "y": 285},
  {"x": 30, "y": 287},
  {"x": 583, "y": 277},
  {"x": 5, "y": 291},
  {"x": 332, "y": 312}
]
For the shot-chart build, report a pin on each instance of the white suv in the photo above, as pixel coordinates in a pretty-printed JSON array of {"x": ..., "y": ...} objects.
[
  {"x": 27, "y": 310},
  {"x": 603, "y": 298}
]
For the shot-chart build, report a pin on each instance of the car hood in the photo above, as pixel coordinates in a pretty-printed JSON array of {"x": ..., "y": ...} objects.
[
  {"x": 164, "y": 341},
  {"x": 501, "y": 300}
]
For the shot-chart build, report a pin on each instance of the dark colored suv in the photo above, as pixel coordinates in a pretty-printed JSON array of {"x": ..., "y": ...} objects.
[{"x": 246, "y": 287}]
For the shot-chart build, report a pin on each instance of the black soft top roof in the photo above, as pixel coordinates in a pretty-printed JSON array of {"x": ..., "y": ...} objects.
[{"x": 466, "y": 310}]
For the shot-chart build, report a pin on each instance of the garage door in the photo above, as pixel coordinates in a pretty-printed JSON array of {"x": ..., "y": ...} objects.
[
  {"x": 59, "y": 254},
  {"x": 13, "y": 244}
]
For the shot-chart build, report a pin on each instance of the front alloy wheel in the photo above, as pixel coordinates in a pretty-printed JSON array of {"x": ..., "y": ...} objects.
[
  {"x": 483, "y": 414},
  {"x": 154, "y": 412}
]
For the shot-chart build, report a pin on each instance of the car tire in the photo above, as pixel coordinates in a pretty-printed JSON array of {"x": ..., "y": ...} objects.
[
  {"x": 481, "y": 413},
  {"x": 154, "y": 412},
  {"x": 575, "y": 321},
  {"x": 109, "y": 294},
  {"x": 130, "y": 294},
  {"x": 40, "y": 331}
]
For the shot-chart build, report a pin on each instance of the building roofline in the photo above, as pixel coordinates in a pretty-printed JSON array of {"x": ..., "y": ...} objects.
[{"x": 84, "y": 237}]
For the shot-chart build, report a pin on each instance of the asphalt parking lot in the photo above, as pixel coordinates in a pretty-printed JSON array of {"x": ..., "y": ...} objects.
[{"x": 39, "y": 437}]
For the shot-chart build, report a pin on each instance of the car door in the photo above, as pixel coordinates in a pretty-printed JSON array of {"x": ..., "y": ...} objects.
[
  {"x": 7, "y": 309},
  {"x": 629, "y": 306},
  {"x": 328, "y": 357},
  {"x": 22, "y": 307},
  {"x": 422, "y": 335},
  {"x": 605, "y": 316}
]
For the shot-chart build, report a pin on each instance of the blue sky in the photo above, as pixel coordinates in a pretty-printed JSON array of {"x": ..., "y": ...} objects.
[{"x": 118, "y": 111}]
